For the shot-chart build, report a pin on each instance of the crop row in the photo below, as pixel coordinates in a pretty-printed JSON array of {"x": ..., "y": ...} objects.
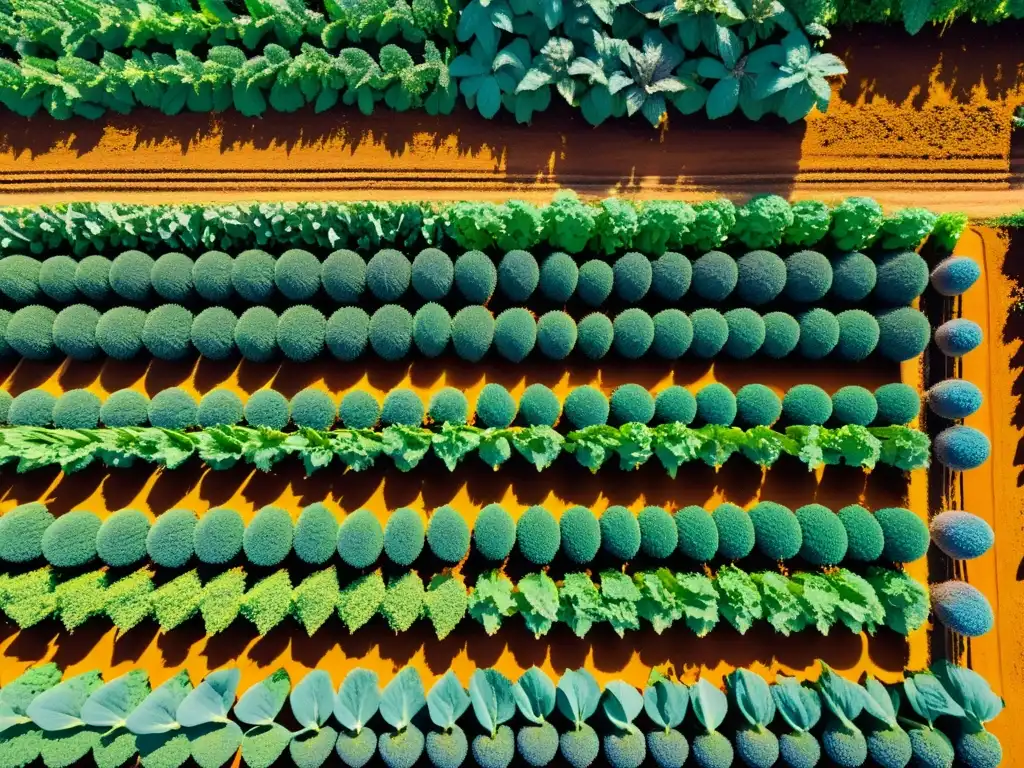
[
  {"x": 302, "y": 333},
  {"x": 345, "y": 277},
  {"x": 933, "y": 717},
  {"x": 661, "y": 599},
  {"x": 584, "y": 406},
  {"x": 813, "y": 534},
  {"x": 566, "y": 224},
  {"x": 672, "y": 444}
]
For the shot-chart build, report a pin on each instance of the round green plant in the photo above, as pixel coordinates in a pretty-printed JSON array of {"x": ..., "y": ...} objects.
[
  {"x": 854, "y": 405},
  {"x": 32, "y": 408},
  {"x": 515, "y": 334},
  {"x": 313, "y": 408},
  {"x": 404, "y": 536},
  {"x": 559, "y": 276},
  {"x": 21, "y": 532},
  {"x": 211, "y": 276},
  {"x": 494, "y": 533},
  {"x": 631, "y": 403},
  {"x": 170, "y": 542},
  {"x": 74, "y": 332},
  {"x": 448, "y": 405},
  {"x": 432, "y": 274},
  {"x": 710, "y": 333},
  {"x": 388, "y": 274},
  {"x": 824, "y": 536},
  {"x": 659, "y": 536},
  {"x": 431, "y": 329},
  {"x": 698, "y": 533},
  {"x": 673, "y": 334},
  {"x": 757, "y": 406},
  {"x": 472, "y": 332},
  {"x": 125, "y": 408},
  {"x": 518, "y": 275},
  {"x": 736, "y": 537},
  {"x": 671, "y": 275},
  {"x": 359, "y": 410},
  {"x": 495, "y": 407},
  {"x": 538, "y": 536},
  {"x": 761, "y": 277},
  {"x": 586, "y": 406},
  {"x": 70, "y": 542},
  {"x": 390, "y": 332},
  {"x": 256, "y": 334},
  {"x": 539, "y": 406},
  {"x": 633, "y": 333},
  {"x": 297, "y": 274},
  {"x": 715, "y": 276},
  {"x": 675, "y": 404},
  {"x": 267, "y": 408},
  {"x": 29, "y": 332},
  {"x": 252, "y": 275},
  {"x": 221, "y": 407},
  {"x": 347, "y": 333},
  {"x": 343, "y": 276},
  {"x": 595, "y": 283},
  {"x": 218, "y": 536},
  {"x": 360, "y": 539},
  {"x": 77, "y": 409},
  {"x": 267, "y": 539},
  {"x": 448, "y": 535},
  {"x": 746, "y": 333},
  {"x": 121, "y": 540},
  {"x": 130, "y": 275},
  {"x": 476, "y": 277},
  {"x": 556, "y": 335},
  {"x": 213, "y": 333},
  {"x": 777, "y": 532},
  {"x": 595, "y": 334},
  {"x": 300, "y": 333},
  {"x": 402, "y": 406},
  {"x": 173, "y": 408},
  {"x": 632, "y": 277},
  {"x": 316, "y": 534},
  {"x": 172, "y": 277},
  {"x": 716, "y": 404},
  {"x": 807, "y": 404}
]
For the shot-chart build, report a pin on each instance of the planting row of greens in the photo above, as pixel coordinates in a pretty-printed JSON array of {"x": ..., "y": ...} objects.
[
  {"x": 302, "y": 333},
  {"x": 933, "y": 718},
  {"x": 813, "y": 534},
  {"x": 661, "y": 599},
  {"x": 673, "y": 444},
  {"x": 566, "y": 224},
  {"x": 585, "y": 406},
  {"x": 345, "y": 277}
]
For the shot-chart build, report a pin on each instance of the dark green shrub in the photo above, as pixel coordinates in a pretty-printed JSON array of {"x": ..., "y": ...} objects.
[
  {"x": 388, "y": 274},
  {"x": 897, "y": 404},
  {"x": 431, "y": 329},
  {"x": 268, "y": 538},
  {"x": 580, "y": 533},
  {"x": 432, "y": 274},
  {"x": 119, "y": 332},
  {"x": 735, "y": 531},
  {"x": 595, "y": 334},
  {"x": 854, "y": 405},
  {"x": 716, "y": 404},
  {"x": 130, "y": 275},
  {"x": 402, "y": 406},
  {"x": 448, "y": 405},
  {"x": 671, "y": 275},
  {"x": 902, "y": 277},
  {"x": 30, "y": 332},
  {"x": 596, "y": 280},
  {"x": 858, "y": 334},
  {"x": 715, "y": 275},
  {"x": 57, "y": 278},
  {"x": 32, "y": 408},
  {"x": 472, "y": 332},
  {"x": 256, "y": 334},
  {"x": 121, "y": 540},
  {"x": 92, "y": 278},
  {"x": 70, "y": 542},
  {"x": 659, "y": 536},
  {"x": 170, "y": 542},
  {"x": 746, "y": 333},
  {"x": 211, "y": 276},
  {"x": 167, "y": 332},
  {"x": 313, "y": 408},
  {"x": 252, "y": 275},
  {"x": 620, "y": 533},
  {"x": 586, "y": 406},
  {"x": 22, "y": 531},
  {"x": 403, "y": 536},
  {"x": 762, "y": 221},
  {"x": 633, "y": 333},
  {"x": 854, "y": 276},
  {"x": 343, "y": 276},
  {"x": 675, "y": 404},
  {"x": 347, "y": 333},
  {"x": 515, "y": 334},
  {"x": 495, "y": 407},
  {"x": 77, "y": 409},
  {"x": 558, "y": 277},
  {"x": 518, "y": 275},
  {"x": 213, "y": 333},
  {"x": 819, "y": 333},
  {"x": 906, "y": 535},
  {"x": 359, "y": 410},
  {"x": 74, "y": 332},
  {"x": 475, "y": 276},
  {"x": 391, "y": 332},
  {"x": 631, "y": 403},
  {"x": 172, "y": 277},
  {"x": 903, "y": 334},
  {"x": 808, "y": 276},
  {"x": 762, "y": 277},
  {"x": 556, "y": 335},
  {"x": 757, "y": 405},
  {"x": 673, "y": 334},
  {"x": 824, "y": 536},
  {"x": 19, "y": 278},
  {"x": 125, "y": 408},
  {"x": 221, "y": 407},
  {"x": 777, "y": 533},
  {"x": 811, "y": 220},
  {"x": 698, "y": 533},
  {"x": 539, "y": 406},
  {"x": 537, "y": 535},
  {"x": 447, "y": 535},
  {"x": 360, "y": 539},
  {"x": 267, "y": 408},
  {"x": 781, "y": 334},
  {"x": 632, "y": 277},
  {"x": 494, "y": 533},
  {"x": 300, "y": 333},
  {"x": 297, "y": 274},
  {"x": 173, "y": 408},
  {"x": 316, "y": 534},
  {"x": 807, "y": 404},
  {"x": 710, "y": 333},
  {"x": 864, "y": 536}
]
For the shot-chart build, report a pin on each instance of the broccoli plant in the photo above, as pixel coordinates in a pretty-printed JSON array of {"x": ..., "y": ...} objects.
[
  {"x": 930, "y": 701},
  {"x": 974, "y": 744},
  {"x": 624, "y": 746},
  {"x": 710, "y": 706},
  {"x": 843, "y": 741},
  {"x": 888, "y": 743}
]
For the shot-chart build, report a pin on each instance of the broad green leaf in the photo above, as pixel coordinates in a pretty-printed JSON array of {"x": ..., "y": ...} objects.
[
  {"x": 844, "y": 698},
  {"x": 447, "y": 701},
  {"x": 358, "y": 699},
  {"x": 753, "y": 697},
  {"x": 312, "y": 700},
  {"x": 622, "y": 704},
  {"x": 709, "y": 704},
  {"x": 878, "y": 703},
  {"x": 110, "y": 705},
  {"x": 262, "y": 702},
  {"x": 578, "y": 696},
  {"x": 534, "y": 694},
  {"x": 799, "y": 705},
  {"x": 158, "y": 712},
  {"x": 665, "y": 702},
  {"x": 491, "y": 695},
  {"x": 60, "y": 708},
  {"x": 929, "y": 699},
  {"x": 970, "y": 690},
  {"x": 211, "y": 700},
  {"x": 403, "y": 697}
]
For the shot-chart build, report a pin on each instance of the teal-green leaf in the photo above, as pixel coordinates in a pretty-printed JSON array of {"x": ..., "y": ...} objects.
[
  {"x": 158, "y": 712},
  {"x": 622, "y": 704},
  {"x": 402, "y": 699},
  {"x": 665, "y": 702},
  {"x": 211, "y": 700},
  {"x": 491, "y": 695},
  {"x": 60, "y": 708},
  {"x": 709, "y": 704},
  {"x": 534, "y": 694},
  {"x": 358, "y": 699},
  {"x": 447, "y": 701}
]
